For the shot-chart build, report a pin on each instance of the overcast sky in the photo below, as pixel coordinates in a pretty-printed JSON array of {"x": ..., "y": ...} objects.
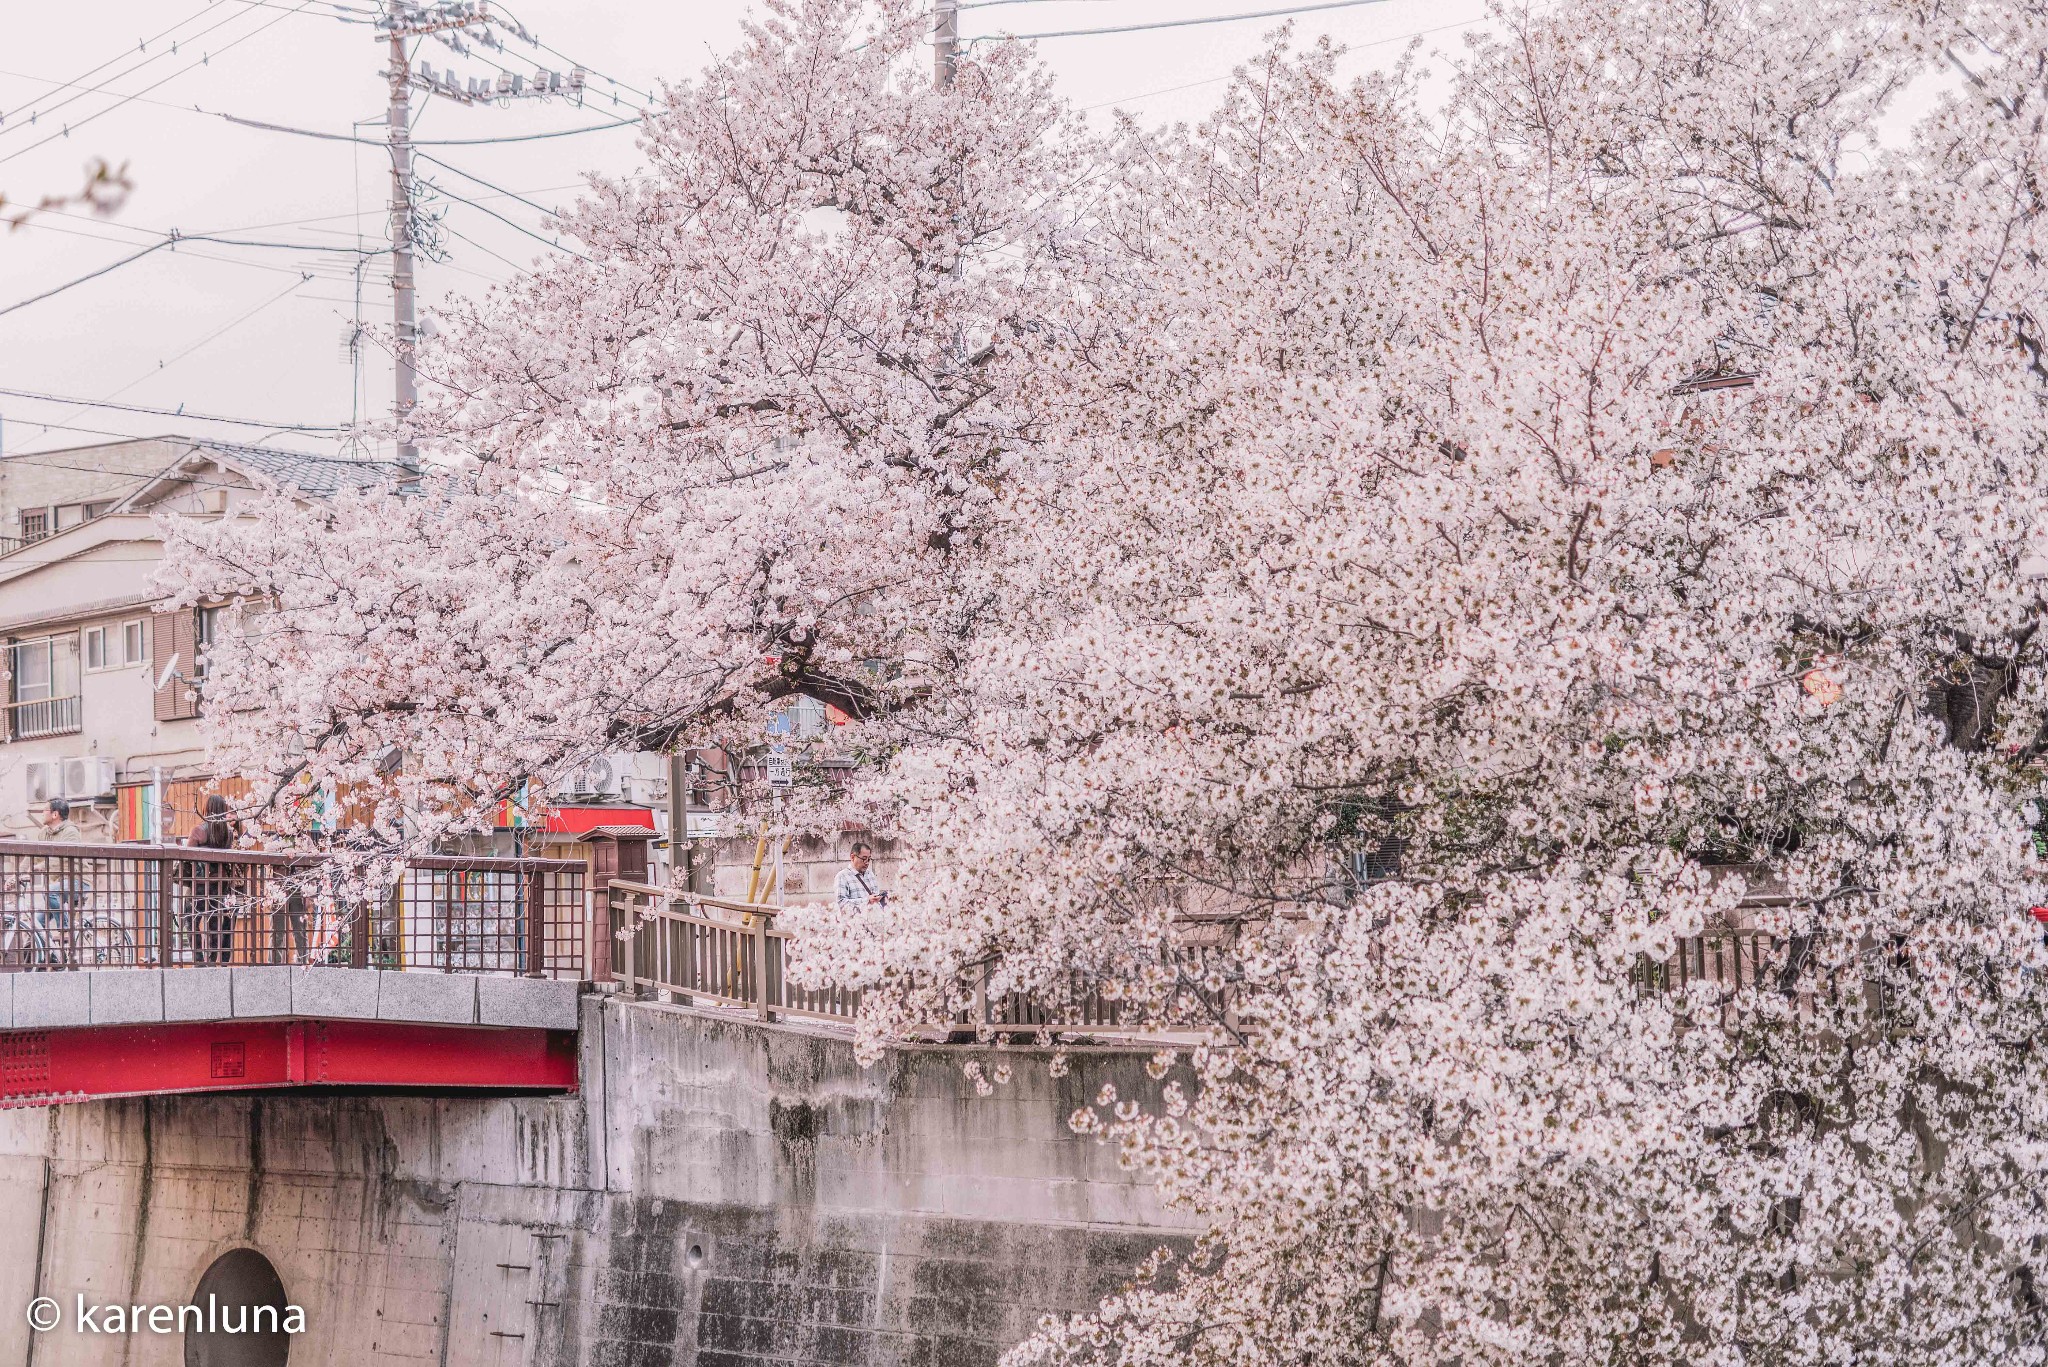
[{"x": 262, "y": 333}]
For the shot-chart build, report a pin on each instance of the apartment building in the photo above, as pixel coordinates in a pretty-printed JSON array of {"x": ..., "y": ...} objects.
[
  {"x": 103, "y": 691},
  {"x": 44, "y": 492}
]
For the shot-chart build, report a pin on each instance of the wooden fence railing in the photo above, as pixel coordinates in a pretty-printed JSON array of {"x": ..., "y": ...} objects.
[
  {"x": 1748, "y": 960},
  {"x": 1732, "y": 959},
  {"x": 715, "y": 951},
  {"x": 682, "y": 945}
]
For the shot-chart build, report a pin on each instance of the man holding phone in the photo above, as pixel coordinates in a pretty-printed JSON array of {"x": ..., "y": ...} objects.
[{"x": 855, "y": 884}]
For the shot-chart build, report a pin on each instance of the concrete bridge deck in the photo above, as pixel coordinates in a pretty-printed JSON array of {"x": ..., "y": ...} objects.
[
  {"x": 153, "y": 996},
  {"x": 71, "y": 1035}
]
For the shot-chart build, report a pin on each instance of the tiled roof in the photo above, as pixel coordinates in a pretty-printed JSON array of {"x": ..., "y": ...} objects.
[{"x": 317, "y": 476}]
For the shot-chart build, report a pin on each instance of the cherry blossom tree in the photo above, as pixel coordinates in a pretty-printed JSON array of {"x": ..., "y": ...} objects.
[
  {"x": 1371, "y": 580},
  {"x": 733, "y": 455}
]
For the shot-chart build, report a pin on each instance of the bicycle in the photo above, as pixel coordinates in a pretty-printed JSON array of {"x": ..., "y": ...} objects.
[{"x": 64, "y": 932}]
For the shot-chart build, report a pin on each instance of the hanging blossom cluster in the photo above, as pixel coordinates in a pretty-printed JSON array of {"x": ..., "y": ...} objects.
[{"x": 1368, "y": 579}]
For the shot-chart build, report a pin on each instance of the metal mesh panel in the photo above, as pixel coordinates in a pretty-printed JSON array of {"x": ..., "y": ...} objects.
[{"x": 68, "y": 905}]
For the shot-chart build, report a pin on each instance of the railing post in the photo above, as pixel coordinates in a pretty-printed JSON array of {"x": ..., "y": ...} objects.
[
  {"x": 166, "y": 930},
  {"x": 394, "y": 916},
  {"x": 613, "y": 898},
  {"x": 359, "y": 934},
  {"x": 762, "y": 920},
  {"x": 536, "y": 922}
]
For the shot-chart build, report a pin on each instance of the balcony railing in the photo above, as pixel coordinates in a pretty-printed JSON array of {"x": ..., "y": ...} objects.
[
  {"x": 66, "y": 906},
  {"x": 43, "y": 717}
]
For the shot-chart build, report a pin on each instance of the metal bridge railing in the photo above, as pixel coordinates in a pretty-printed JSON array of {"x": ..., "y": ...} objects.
[{"x": 65, "y": 905}]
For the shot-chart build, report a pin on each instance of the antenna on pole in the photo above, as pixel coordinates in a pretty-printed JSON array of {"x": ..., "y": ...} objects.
[{"x": 945, "y": 42}]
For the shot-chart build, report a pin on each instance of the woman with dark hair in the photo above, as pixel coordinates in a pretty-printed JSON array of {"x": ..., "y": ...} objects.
[{"x": 214, "y": 887}]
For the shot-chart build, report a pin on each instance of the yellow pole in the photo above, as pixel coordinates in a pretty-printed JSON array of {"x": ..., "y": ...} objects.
[{"x": 754, "y": 879}]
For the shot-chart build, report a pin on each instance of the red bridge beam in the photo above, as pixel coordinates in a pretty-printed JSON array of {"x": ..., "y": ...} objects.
[{"x": 44, "y": 1067}]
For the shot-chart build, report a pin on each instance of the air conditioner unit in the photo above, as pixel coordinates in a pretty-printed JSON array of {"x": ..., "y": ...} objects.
[
  {"x": 648, "y": 792},
  {"x": 45, "y": 781},
  {"x": 88, "y": 777},
  {"x": 604, "y": 776}
]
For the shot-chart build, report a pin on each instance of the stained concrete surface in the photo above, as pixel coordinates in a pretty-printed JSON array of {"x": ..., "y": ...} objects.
[{"x": 720, "y": 1194}]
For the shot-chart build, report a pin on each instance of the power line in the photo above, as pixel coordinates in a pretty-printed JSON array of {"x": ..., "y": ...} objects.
[
  {"x": 613, "y": 81},
  {"x": 55, "y": 84},
  {"x": 162, "y": 366},
  {"x": 324, "y": 270},
  {"x": 32, "y": 457},
  {"x": 65, "y": 427},
  {"x": 506, "y": 221},
  {"x": 204, "y": 59},
  {"x": 346, "y": 16},
  {"x": 1212, "y": 80},
  {"x": 172, "y": 239},
  {"x": 465, "y": 237},
  {"x": 1175, "y": 23},
  {"x": 75, "y": 84},
  {"x": 479, "y": 180},
  {"x": 35, "y": 458},
  {"x": 113, "y": 266},
  {"x": 427, "y": 142},
  {"x": 288, "y": 222},
  {"x": 179, "y": 412}
]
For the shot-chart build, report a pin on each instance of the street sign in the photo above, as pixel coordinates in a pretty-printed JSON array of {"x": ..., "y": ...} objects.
[{"x": 780, "y": 774}]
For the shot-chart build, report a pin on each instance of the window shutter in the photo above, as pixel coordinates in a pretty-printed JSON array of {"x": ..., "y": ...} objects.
[
  {"x": 172, "y": 638},
  {"x": 159, "y": 663},
  {"x": 185, "y": 639}
]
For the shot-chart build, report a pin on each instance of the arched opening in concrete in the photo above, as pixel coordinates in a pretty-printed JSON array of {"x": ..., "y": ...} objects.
[{"x": 241, "y": 1305}]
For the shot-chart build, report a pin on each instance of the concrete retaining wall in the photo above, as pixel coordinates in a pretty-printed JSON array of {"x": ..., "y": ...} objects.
[{"x": 720, "y": 1194}]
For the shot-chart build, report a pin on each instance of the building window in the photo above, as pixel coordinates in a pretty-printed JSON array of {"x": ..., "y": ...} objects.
[
  {"x": 114, "y": 647},
  {"x": 206, "y": 630},
  {"x": 35, "y": 523},
  {"x": 44, "y": 687},
  {"x": 46, "y": 668},
  {"x": 799, "y": 718}
]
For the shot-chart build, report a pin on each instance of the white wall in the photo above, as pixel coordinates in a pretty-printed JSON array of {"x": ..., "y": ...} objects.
[{"x": 116, "y": 706}]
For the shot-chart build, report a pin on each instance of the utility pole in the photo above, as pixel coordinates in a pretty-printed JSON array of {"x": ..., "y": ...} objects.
[
  {"x": 402, "y": 21},
  {"x": 945, "y": 42},
  {"x": 404, "y": 303}
]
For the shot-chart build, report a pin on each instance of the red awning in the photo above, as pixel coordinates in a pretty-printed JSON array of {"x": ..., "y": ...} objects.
[{"x": 583, "y": 820}]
